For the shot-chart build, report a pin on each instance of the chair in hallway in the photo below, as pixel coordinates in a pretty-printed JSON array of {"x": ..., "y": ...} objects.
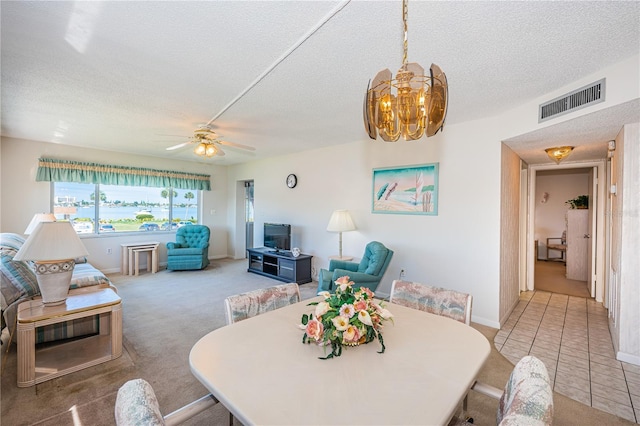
[
  {"x": 561, "y": 247},
  {"x": 256, "y": 302},
  {"x": 449, "y": 303},
  {"x": 136, "y": 404}
]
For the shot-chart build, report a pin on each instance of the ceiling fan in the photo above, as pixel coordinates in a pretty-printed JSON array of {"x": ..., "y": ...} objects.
[{"x": 208, "y": 143}]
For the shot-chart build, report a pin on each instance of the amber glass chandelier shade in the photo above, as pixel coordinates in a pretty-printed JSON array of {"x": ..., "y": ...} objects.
[
  {"x": 410, "y": 105},
  {"x": 559, "y": 153}
]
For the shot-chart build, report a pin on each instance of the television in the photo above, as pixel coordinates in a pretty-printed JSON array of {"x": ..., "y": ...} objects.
[{"x": 277, "y": 236}]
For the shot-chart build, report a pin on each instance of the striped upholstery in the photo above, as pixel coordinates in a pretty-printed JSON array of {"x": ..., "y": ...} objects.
[
  {"x": 527, "y": 398},
  {"x": 439, "y": 301},
  {"x": 250, "y": 304},
  {"x": 137, "y": 405},
  {"x": 19, "y": 283}
]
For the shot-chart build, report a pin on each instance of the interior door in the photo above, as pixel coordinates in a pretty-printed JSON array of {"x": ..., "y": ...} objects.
[
  {"x": 578, "y": 241},
  {"x": 591, "y": 246}
]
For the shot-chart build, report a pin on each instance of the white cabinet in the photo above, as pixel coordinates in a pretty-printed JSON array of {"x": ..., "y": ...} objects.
[{"x": 577, "y": 244}]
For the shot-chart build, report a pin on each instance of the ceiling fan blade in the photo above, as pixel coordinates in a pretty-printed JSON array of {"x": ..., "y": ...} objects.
[
  {"x": 220, "y": 153},
  {"x": 180, "y": 145},
  {"x": 236, "y": 145}
]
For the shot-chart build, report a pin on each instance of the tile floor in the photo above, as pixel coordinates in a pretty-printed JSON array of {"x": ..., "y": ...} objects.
[{"x": 571, "y": 336}]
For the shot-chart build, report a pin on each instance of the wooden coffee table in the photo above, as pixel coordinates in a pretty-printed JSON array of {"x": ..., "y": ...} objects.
[{"x": 55, "y": 360}]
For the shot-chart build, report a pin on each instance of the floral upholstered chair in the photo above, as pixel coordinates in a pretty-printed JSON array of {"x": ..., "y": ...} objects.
[
  {"x": 136, "y": 404},
  {"x": 449, "y": 303},
  {"x": 252, "y": 303},
  {"x": 527, "y": 399}
]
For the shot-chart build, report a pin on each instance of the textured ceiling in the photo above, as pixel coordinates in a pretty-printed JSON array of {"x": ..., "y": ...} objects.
[{"x": 140, "y": 76}]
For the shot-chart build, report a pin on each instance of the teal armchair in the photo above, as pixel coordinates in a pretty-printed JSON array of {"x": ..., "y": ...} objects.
[
  {"x": 191, "y": 249},
  {"x": 368, "y": 273}
]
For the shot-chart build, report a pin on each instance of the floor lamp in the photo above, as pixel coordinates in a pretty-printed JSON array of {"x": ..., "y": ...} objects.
[{"x": 341, "y": 222}]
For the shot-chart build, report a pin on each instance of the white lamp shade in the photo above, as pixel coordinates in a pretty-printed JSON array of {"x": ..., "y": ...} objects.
[
  {"x": 52, "y": 241},
  {"x": 37, "y": 218},
  {"x": 341, "y": 222}
]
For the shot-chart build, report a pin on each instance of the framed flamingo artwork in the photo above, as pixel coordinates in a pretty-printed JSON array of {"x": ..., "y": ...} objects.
[{"x": 406, "y": 190}]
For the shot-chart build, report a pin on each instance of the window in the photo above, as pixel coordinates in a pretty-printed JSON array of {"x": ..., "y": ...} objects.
[{"x": 107, "y": 209}]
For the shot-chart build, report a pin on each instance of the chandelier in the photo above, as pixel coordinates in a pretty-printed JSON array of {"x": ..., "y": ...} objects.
[
  {"x": 559, "y": 153},
  {"x": 418, "y": 106}
]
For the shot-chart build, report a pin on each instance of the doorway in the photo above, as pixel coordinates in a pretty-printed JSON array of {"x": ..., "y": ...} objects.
[{"x": 555, "y": 197}]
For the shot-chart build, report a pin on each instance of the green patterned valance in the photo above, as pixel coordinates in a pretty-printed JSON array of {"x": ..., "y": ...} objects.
[{"x": 50, "y": 170}]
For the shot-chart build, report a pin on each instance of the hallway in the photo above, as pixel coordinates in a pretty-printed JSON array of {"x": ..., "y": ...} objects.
[{"x": 571, "y": 336}]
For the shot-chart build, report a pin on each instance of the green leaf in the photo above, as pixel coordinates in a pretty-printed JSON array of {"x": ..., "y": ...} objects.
[
  {"x": 381, "y": 343},
  {"x": 305, "y": 319}
]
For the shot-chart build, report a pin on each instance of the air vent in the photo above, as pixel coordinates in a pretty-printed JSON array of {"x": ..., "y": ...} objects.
[{"x": 585, "y": 96}]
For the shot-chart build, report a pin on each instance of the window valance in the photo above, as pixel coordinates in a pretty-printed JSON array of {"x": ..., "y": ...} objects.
[{"x": 50, "y": 170}]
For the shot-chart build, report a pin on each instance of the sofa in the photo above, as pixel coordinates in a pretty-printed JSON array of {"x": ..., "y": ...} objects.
[{"x": 18, "y": 283}]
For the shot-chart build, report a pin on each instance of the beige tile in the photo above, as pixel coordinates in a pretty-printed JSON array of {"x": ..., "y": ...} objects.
[
  {"x": 573, "y": 393},
  {"x": 552, "y": 347},
  {"x": 602, "y": 350},
  {"x": 614, "y": 408},
  {"x": 631, "y": 368},
  {"x": 499, "y": 339},
  {"x": 605, "y": 360},
  {"x": 575, "y": 345},
  {"x": 513, "y": 359},
  {"x": 606, "y": 380},
  {"x": 611, "y": 394},
  {"x": 573, "y": 351},
  {"x": 569, "y": 379},
  {"x": 634, "y": 389},
  {"x": 581, "y": 373},
  {"x": 514, "y": 352},
  {"x": 545, "y": 355},
  {"x": 498, "y": 346},
  {"x": 521, "y": 337},
  {"x": 503, "y": 334},
  {"x": 632, "y": 377},
  {"x": 635, "y": 400},
  {"x": 610, "y": 371},
  {"x": 517, "y": 345},
  {"x": 573, "y": 360}
]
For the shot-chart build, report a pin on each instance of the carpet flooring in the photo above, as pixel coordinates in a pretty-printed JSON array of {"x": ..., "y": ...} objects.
[
  {"x": 164, "y": 314},
  {"x": 551, "y": 277}
]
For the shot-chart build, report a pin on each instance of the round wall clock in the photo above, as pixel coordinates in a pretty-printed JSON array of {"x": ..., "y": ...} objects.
[{"x": 292, "y": 180}]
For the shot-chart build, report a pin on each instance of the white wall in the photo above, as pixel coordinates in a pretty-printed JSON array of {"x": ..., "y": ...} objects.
[
  {"x": 550, "y": 216},
  {"x": 22, "y": 196}
]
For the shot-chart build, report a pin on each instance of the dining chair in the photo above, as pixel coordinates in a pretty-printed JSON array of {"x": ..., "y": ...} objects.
[
  {"x": 527, "y": 398},
  {"x": 256, "y": 302},
  {"x": 136, "y": 404},
  {"x": 449, "y": 303}
]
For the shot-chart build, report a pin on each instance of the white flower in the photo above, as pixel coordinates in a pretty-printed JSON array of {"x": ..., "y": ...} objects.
[
  {"x": 347, "y": 310},
  {"x": 365, "y": 318},
  {"x": 325, "y": 294},
  {"x": 322, "y": 308},
  {"x": 340, "y": 323},
  {"x": 384, "y": 313}
]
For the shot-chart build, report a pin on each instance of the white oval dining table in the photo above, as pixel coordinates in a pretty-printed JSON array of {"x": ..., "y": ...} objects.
[{"x": 263, "y": 373}]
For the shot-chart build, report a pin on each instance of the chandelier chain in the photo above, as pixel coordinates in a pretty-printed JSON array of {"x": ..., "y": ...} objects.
[{"x": 406, "y": 37}]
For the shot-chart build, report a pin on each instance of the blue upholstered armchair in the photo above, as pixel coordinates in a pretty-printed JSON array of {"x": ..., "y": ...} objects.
[
  {"x": 191, "y": 249},
  {"x": 367, "y": 273}
]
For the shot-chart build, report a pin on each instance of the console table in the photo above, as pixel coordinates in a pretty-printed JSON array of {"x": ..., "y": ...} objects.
[
  {"x": 129, "y": 255},
  {"x": 280, "y": 265},
  {"x": 38, "y": 365}
]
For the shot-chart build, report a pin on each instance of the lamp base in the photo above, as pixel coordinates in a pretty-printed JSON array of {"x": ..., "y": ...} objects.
[{"x": 54, "y": 278}]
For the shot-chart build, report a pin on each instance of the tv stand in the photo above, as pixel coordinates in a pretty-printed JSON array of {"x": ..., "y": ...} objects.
[{"x": 280, "y": 265}]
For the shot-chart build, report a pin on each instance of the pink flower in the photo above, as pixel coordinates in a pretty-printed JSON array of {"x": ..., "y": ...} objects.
[
  {"x": 315, "y": 329},
  {"x": 360, "y": 305},
  {"x": 369, "y": 293},
  {"x": 344, "y": 283},
  {"x": 347, "y": 310},
  {"x": 351, "y": 335}
]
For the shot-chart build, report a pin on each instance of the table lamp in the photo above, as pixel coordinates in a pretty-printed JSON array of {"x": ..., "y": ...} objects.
[
  {"x": 36, "y": 219},
  {"x": 341, "y": 222},
  {"x": 53, "y": 246}
]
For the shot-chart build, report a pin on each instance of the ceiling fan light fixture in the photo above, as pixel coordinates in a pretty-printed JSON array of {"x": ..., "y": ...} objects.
[
  {"x": 559, "y": 153},
  {"x": 211, "y": 150},
  {"x": 418, "y": 106},
  {"x": 201, "y": 149}
]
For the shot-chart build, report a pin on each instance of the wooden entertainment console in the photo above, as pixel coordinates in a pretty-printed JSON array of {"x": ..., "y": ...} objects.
[{"x": 280, "y": 265}]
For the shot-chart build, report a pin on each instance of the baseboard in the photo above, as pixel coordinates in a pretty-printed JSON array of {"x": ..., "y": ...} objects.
[
  {"x": 628, "y": 358},
  {"x": 484, "y": 321}
]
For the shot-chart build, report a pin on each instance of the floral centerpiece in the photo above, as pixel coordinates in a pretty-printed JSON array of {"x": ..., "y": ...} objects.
[{"x": 348, "y": 317}]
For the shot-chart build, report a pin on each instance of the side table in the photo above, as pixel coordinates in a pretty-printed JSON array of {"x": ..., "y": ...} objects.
[
  {"x": 127, "y": 256},
  {"x": 55, "y": 360}
]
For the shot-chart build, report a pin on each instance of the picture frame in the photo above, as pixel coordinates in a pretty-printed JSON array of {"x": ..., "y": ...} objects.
[{"x": 406, "y": 190}]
